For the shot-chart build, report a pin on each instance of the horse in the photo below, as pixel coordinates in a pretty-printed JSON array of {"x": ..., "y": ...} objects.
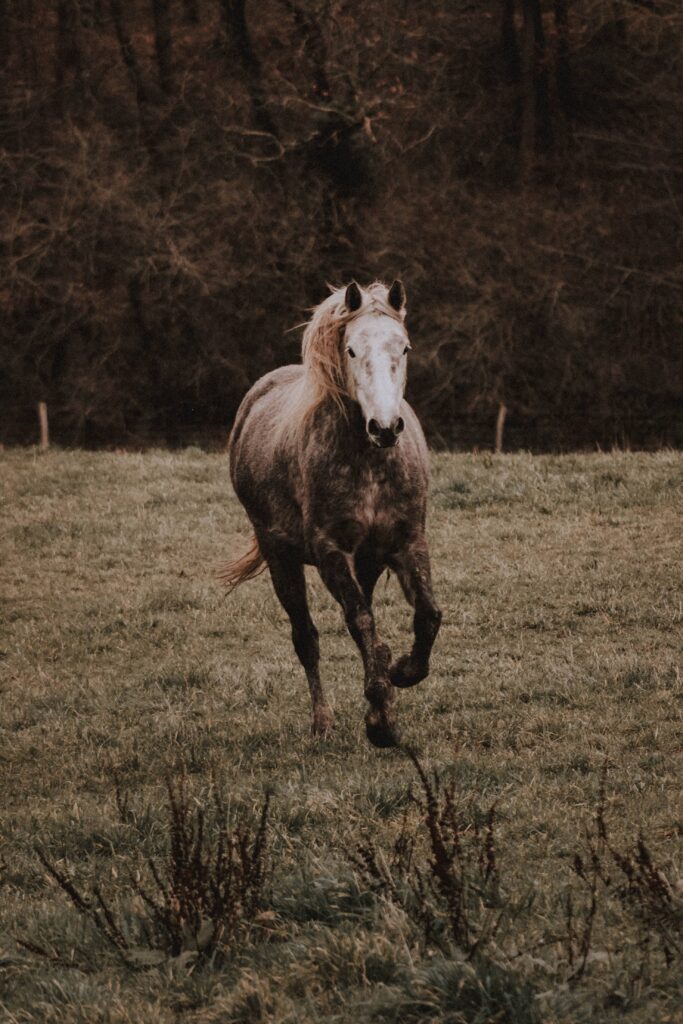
[{"x": 331, "y": 466}]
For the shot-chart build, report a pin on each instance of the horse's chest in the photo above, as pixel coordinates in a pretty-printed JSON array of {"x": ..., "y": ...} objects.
[
  {"x": 375, "y": 504},
  {"x": 378, "y": 505},
  {"x": 355, "y": 507}
]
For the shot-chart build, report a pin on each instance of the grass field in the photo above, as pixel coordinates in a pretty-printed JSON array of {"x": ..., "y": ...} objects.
[{"x": 557, "y": 673}]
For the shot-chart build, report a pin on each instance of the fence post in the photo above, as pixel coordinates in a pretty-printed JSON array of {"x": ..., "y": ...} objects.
[
  {"x": 500, "y": 427},
  {"x": 44, "y": 427}
]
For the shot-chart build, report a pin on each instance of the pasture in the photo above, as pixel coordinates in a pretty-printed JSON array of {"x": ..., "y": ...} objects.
[{"x": 555, "y": 698}]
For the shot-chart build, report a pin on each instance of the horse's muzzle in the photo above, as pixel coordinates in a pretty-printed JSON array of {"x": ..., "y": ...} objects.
[{"x": 385, "y": 437}]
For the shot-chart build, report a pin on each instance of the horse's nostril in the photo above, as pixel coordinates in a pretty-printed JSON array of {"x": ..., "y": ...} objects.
[
  {"x": 399, "y": 426},
  {"x": 374, "y": 428}
]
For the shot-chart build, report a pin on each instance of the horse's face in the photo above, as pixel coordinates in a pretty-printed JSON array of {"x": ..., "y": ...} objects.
[{"x": 376, "y": 350}]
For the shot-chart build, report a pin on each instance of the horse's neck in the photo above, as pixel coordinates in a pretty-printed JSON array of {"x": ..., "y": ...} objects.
[{"x": 337, "y": 434}]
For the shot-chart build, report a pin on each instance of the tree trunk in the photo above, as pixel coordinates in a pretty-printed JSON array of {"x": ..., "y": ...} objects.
[
  {"x": 234, "y": 19},
  {"x": 98, "y": 15},
  {"x": 565, "y": 89},
  {"x": 619, "y": 22},
  {"x": 560, "y": 83},
  {"x": 338, "y": 149},
  {"x": 191, "y": 8},
  {"x": 5, "y": 34},
  {"x": 544, "y": 125},
  {"x": 527, "y": 137},
  {"x": 161, "y": 11},
  {"x": 25, "y": 40},
  {"x": 128, "y": 54},
  {"x": 536, "y": 122},
  {"x": 509, "y": 44},
  {"x": 69, "y": 57},
  {"x": 314, "y": 46}
]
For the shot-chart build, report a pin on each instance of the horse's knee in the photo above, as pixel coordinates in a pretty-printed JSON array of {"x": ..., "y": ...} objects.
[
  {"x": 362, "y": 621},
  {"x": 428, "y": 620},
  {"x": 412, "y": 668},
  {"x": 436, "y": 615}
]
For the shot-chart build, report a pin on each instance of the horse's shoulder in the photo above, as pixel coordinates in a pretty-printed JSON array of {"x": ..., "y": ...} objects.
[
  {"x": 275, "y": 378},
  {"x": 272, "y": 381}
]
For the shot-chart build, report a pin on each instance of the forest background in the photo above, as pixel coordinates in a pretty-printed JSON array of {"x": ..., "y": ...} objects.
[{"x": 179, "y": 180}]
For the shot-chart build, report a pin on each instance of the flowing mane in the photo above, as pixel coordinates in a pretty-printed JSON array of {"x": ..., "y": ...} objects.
[{"x": 322, "y": 353}]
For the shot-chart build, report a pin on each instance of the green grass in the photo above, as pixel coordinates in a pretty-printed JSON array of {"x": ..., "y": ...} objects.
[{"x": 560, "y": 580}]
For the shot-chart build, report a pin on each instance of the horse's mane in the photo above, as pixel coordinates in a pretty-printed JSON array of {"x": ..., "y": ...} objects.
[{"x": 322, "y": 354}]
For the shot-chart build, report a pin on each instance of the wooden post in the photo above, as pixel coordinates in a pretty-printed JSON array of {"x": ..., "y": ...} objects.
[
  {"x": 500, "y": 427},
  {"x": 44, "y": 428}
]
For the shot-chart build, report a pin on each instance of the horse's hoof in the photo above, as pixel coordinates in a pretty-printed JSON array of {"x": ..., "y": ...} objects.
[
  {"x": 405, "y": 672},
  {"x": 323, "y": 722},
  {"x": 381, "y": 731}
]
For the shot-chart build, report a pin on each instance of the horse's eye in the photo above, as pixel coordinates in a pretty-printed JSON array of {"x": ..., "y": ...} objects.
[
  {"x": 351, "y": 353},
  {"x": 406, "y": 350}
]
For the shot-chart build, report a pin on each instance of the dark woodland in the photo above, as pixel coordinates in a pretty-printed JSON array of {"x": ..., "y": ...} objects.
[{"x": 180, "y": 179}]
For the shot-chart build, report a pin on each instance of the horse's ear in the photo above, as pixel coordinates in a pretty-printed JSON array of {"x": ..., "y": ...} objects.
[
  {"x": 397, "y": 296},
  {"x": 353, "y": 298}
]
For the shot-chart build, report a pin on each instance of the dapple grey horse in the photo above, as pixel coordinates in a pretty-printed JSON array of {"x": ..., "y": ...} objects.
[{"x": 330, "y": 463}]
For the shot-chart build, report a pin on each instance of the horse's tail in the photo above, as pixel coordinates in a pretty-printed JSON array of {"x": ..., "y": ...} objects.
[{"x": 249, "y": 565}]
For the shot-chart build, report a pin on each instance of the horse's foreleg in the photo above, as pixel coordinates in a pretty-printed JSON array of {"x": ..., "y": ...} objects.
[
  {"x": 414, "y": 573},
  {"x": 336, "y": 570},
  {"x": 289, "y": 582},
  {"x": 368, "y": 571}
]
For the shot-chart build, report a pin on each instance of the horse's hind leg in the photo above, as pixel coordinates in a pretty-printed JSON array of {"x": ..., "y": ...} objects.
[
  {"x": 414, "y": 574},
  {"x": 289, "y": 582}
]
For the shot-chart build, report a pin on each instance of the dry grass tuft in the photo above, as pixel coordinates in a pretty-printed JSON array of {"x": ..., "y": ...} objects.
[
  {"x": 210, "y": 888},
  {"x": 451, "y": 888},
  {"x": 642, "y": 888}
]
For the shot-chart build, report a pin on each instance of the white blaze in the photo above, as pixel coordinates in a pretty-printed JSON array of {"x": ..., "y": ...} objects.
[{"x": 376, "y": 349}]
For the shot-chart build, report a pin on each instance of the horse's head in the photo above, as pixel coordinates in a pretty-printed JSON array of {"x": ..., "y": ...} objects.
[{"x": 376, "y": 346}]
